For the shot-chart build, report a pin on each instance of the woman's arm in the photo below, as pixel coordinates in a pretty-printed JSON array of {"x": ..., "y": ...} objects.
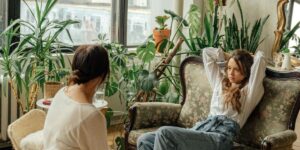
[
  {"x": 213, "y": 71},
  {"x": 255, "y": 88}
]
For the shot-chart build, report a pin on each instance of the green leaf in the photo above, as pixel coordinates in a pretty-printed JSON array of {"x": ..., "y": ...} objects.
[
  {"x": 120, "y": 141},
  {"x": 194, "y": 19},
  {"x": 164, "y": 86},
  {"x": 162, "y": 47},
  {"x": 111, "y": 88},
  {"x": 108, "y": 115},
  {"x": 147, "y": 53},
  {"x": 149, "y": 82}
]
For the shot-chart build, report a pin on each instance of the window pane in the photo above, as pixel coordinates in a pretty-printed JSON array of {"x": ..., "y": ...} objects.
[
  {"x": 94, "y": 17},
  {"x": 295, "y": 20},
  {"x": 141, "y": 18},
  {"x": 3, "y": 15}
]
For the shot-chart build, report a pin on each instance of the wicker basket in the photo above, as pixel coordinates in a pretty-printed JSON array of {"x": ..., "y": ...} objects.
[{"x": 50, "y": 89}]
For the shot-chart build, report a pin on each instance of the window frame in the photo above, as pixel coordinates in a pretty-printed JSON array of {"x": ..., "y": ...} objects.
[
  {"x": 118, "y": 19},
  {"x": 290, "y": 9}
]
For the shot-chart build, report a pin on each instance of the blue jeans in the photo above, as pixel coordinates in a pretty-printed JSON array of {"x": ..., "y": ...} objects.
[{"x": 215, "y": 133}]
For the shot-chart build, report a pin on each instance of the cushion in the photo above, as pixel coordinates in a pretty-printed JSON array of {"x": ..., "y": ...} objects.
[
  {"x": 272, "y": 113},
  {"x": 135, "y": 134},
  {"x": 33, "y": 141},
  {"x": 198, "y": 95}
]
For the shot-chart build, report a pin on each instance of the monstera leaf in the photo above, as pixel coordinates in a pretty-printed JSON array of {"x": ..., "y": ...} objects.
[{"x": 146, "y": 52}]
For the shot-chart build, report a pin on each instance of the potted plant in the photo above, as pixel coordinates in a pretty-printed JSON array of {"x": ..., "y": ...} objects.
[
  {"x": 286, "y": 62},
  {"x": 241, "y": 37},
  {"x": 161, "y": 32},
  {"x": 29, "y": 61}
]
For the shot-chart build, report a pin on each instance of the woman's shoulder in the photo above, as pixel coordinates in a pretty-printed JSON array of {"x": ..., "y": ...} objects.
[{"x": 93, "y": 117}]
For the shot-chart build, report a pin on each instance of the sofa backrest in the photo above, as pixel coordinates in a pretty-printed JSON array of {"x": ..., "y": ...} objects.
[
  {"x": 277, "y": 111},
  {"x": 196, "y": 92}
]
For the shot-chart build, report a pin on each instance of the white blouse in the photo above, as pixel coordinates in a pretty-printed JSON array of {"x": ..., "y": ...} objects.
[
  {"x": 251, "y": 93},
  {"x": 73, "y": 125}
]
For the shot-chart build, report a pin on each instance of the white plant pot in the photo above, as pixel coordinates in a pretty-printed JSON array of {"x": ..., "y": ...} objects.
[{"x": 286, "y": 62}]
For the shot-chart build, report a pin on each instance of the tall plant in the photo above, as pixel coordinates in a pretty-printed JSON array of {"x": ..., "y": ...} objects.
[
  {"x": 201, "y": 36},
  {"x": 37, "y": 56},
  {"x": 241, "y": 37}
]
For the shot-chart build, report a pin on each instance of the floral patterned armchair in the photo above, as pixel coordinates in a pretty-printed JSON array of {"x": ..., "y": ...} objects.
[{"x": 270, "y": 126}]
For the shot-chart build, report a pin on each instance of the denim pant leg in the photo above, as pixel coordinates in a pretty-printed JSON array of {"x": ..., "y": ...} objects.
[
  {"x": 146, "y": 141},
  {"x": 175, "y": 138}
]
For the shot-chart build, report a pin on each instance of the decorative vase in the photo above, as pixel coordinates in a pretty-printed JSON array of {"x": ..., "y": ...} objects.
[
  {"x": 286, "y": 62},
  {"x": 50, "y": 89},
  {"x": 159, "y": 35}
]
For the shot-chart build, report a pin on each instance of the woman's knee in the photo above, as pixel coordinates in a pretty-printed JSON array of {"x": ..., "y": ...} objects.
[
  {"x": 165, "y": 131},
  {"x": 146, "y": 138}
]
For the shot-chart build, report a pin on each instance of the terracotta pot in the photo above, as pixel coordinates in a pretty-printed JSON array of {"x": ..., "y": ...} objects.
[
  {"x": 159, "y": 35},
  {"x": 50, "y": 89}
]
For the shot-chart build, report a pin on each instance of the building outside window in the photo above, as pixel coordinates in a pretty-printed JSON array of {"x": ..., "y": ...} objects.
[
  {"x": 98, "y": 16},
  {"x": 141, "y": 18},
  {"x": 94, "y": 17}
]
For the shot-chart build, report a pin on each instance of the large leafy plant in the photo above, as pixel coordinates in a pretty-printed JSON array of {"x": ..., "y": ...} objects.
[{"x": 37, "y": 57}]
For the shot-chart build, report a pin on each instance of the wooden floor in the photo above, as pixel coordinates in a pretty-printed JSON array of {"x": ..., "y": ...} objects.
[{"x": 115, "y": 131}]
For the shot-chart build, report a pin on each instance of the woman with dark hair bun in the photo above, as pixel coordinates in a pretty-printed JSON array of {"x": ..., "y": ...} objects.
[{"x": 72, "y": 121}]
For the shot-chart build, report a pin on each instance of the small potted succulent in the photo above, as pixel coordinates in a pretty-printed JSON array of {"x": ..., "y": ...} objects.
[
  {"x": 286, "y": 62},
  {"x": 161, "y": 32}
]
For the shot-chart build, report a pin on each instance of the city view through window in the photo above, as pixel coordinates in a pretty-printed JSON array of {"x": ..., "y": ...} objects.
[{"x": 95, "y": 18}]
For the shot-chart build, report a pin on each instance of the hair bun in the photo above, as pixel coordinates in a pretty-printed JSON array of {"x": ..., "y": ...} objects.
[{"x": 78, "y": 77}]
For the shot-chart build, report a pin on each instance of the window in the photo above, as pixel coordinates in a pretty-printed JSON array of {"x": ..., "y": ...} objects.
[
  {"x": 94, "y": 17},
  {"x": 3, "y": 16},
  {"x": 295, "y": 18},
  {"x": 141, "y": 18},
  {"x": 128, "y": 21}
]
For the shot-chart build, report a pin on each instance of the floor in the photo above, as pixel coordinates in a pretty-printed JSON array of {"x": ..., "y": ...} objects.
[{"x": 116, "y": 131}]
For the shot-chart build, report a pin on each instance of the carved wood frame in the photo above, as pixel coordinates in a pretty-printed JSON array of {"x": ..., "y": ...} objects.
[{"x": 280, "y": 26}]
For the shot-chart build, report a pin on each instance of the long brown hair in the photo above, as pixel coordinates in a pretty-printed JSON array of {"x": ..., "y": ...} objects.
[
  {"x": 89, "y": 62},
  {"x": 232, "y": 95}
]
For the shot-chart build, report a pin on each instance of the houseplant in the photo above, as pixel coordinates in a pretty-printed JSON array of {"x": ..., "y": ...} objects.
[
  {"x": 241, "y": 37},
  {"x": 161, "y": 32},
  {"x": 286, "y": 62},
  {"x": 37, "y": 57}
]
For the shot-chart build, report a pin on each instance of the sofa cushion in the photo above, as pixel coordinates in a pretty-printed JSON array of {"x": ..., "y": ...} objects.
[
  {"x": 272, "y": 113},
  {"x": 153, "y": 114},
  {"x": 135, "y": 134},
  {"x": 198, "y": 95}
]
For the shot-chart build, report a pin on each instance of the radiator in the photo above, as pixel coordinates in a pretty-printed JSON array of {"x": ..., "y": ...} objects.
[{"x": 8, "y": 107}]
